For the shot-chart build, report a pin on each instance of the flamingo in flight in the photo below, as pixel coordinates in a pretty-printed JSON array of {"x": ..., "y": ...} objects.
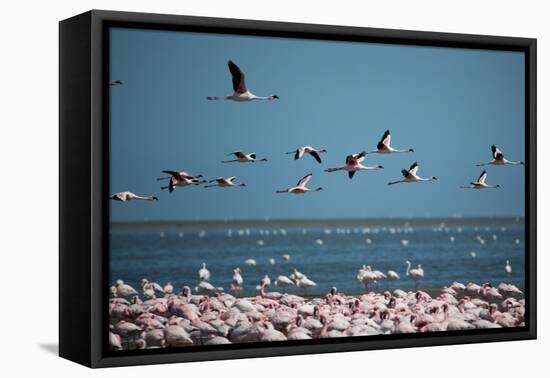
[
  {"x": 353, "y": 164},
  {"x": 300, "y": 188},
  {"x": 410, "y": 176},
  {"x": 114, "y": 83},
  {"x": 383, "y": 147},
  {"x": 499, "y": 159},
  {"x": 181, "y": 179},
  {"x": 241, "y": 157},
  {"x": 480, "y": 183},
  {"x": 300, "y": 151},
  {"x": 129, "y": 196},
  {"x": 241, "y": 93},
  {"x": 224, "y": 182}
]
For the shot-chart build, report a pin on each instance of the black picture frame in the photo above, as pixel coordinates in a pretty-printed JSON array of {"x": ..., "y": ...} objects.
[{"x": 84, "y": 179}]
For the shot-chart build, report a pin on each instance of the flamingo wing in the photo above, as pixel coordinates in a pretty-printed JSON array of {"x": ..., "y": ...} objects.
[
  {"x": 386, "y": 138},
  {"x": 238, "y": 77},
  {"x": 482, "y": 177},
  {"x": 315, "y": 154},
  {"x": 413, "y": 169},
  {"x": 497, "y": 153},
  {"x": 303, "y": 182},
  {"x": 239, "y": 154}
]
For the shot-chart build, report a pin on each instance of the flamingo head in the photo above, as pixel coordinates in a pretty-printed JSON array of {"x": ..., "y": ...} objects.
[
  {"x": 275, "y": 97},
  {"x": 410, "y": 150},
  {"x": 433, "y": 178},
  {"x": 155, "y": 198}
]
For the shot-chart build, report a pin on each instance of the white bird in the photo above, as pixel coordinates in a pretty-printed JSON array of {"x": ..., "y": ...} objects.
[
  {"x": 205, "y": 287},
  {"x": 353, "y": 164},
  {"x": 499, "y": 159},
  {"x": 286, "y": 257},
  {"x": 392, "y": 275},
  {"x": 480, "y": 183},
  {"x": 224, "y": 182},
  {"x": 129, "y": 196},
  {"x": 366, "y": 276},
  {"x": 241, "y": 157},
  {"x": 181, "y": 179},
  {"x": 282, "y": 281},
  {"x": 237, "y": 280},
  {"x": 250, "y": 262},
  {"x": 240, "y": 92},
  {"x": 304, "y": 283},
  {"x": 411, "y": 176},
  {"x": 300, "y": 151},
  {"x": 383, "y": 147},
  {"x": 508, "y": 267},
  {"x": 416, "y": 274},
  {"x": 204, "y": 274},
  {"x": 301, "y": 188}
]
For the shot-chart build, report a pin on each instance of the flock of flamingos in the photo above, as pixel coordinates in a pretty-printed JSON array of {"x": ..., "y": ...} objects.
[{"x": 162, "y": 317}]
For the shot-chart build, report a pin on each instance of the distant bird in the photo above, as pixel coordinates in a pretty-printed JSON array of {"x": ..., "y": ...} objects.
[
  {"x": 410, "y": 176},
  {"x": 181, "y": 179},
  {"x": 286, "y": 257},
  {"x": 480, "y": 183},
  {"x": 250, "y": 262},
  {"x": 282, "y": 281},
  {"x": 237, "y": 280},
  {"x": 114, "y": 83},
  {"x": 240, "y": 92},
  {"x": 204, "y": 274},
  {"x": 241, "y": 157},
  {"x": 300, "y": 151},
  {"x": 383, "y": 147},
  {"x": 301, "y": 188},
  {"x": 129, "y": 196},
  {"x": 499, "y": 159},
  {"x": 508, "y": 267},
  {"x": 353, "y": 164},
  {"x": 392, "y": 275},
  {"x": 224, "y": 182},
  {"x": 205, "y": 287},
  {"x": 416, "y": 274}
]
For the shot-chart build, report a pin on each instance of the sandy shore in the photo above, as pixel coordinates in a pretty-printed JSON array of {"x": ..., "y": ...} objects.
[{"x": 161, "y": 319}]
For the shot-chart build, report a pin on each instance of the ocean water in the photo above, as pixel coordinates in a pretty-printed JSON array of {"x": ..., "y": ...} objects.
[{"x": 328, "y": 256}]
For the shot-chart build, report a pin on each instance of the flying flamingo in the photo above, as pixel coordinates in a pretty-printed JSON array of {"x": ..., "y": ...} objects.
[
  {"x": 410, "y": 176},
  {"x": 353, "y": 164},
  {"x": 300, "y": 151},
  {"x": 480, "y": 183},
  {"x": 498, "y": 158},
  {"x": 241, "y": 157},
  {"x": 181, "y": 179},
  {"x": 383, "y": 147},
  {"x": 416, "y": 274},
  {"x": 300, "y": 188},
  {"x": 129, "y": 196},
  {"x": 223, "y": 182},
  {"x": 240, "y": 94}
]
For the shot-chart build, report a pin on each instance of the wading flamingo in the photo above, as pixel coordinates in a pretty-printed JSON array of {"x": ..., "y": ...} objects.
[
  {"x": 499, "y": 159},
  {"x": 300, "y": 188},
  {"x": 353, "y": 164},
  {"x": 300, "y": 151},
  {"x": 204, "y": 274},
  {"x": 410, "y": 176},
  {"x": 240, "y": 93},
  {"x": 416, "y": 274}
]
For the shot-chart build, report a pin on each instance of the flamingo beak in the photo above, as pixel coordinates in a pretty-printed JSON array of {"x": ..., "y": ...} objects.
[{"x": 275, "y": 97}]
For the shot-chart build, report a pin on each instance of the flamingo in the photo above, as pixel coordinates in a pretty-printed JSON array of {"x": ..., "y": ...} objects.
[
  {"x": 300, "y": 151},
  {"x": 224, "y": 182},
  {"x": 353, "y": 164},
  {"x": 480, "y": 183},
  {"x": 237, "y": 280},
  {"x": 241, "y": 93},
  {"x": 508, "y": 267},
  {"x": 410, "y": 176},
  {"x": 416, "y": 274},
  {"x": 499, "y": 159},
  {"x": 282, "y": 281},
  {"x": 392, "y": 275},
  {"x": 383, "y": 147},
  {"x": 129, "y": 196},
  {"x": 301, "y": 188},
  {"x": 114, "y": 83},
  {"x": 181, "y": 179},
  {"x": 204, "y": 274},
  {"x": 241, "y": 157}
]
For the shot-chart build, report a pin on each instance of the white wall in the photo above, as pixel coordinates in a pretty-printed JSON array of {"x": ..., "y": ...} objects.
[{"x": 28, "y": 155}]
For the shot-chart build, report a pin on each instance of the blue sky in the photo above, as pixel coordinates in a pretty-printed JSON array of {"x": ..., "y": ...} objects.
[{"x": 450, "y": 105}]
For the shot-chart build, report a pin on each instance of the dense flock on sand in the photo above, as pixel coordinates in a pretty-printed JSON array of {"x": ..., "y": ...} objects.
[{"x": 161, "y": 317}]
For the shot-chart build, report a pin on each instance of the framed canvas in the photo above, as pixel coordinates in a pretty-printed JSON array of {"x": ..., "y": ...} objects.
[{"x": 234, "y": 188}]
